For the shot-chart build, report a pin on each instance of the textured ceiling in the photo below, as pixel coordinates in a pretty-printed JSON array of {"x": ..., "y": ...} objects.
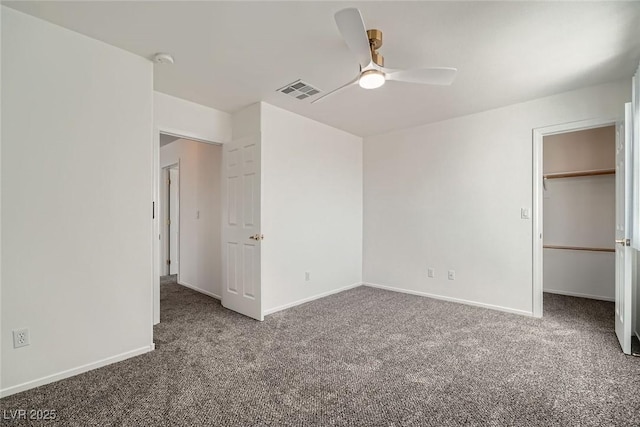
[{"x": 232, "y": 54}]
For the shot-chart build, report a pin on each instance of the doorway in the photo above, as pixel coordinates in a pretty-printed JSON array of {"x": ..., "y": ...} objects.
[
  {"x": 574, "y": 185},
  {"x": 624, "y": 259},
  {"x": 189, "y": 216},
  {"x": 579, "y": 189}
]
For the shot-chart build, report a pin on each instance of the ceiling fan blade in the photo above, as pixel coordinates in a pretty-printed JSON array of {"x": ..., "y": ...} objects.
[
  {"x": 428, "y": 76},
  {"x": 352, "y": 82},
  {"x": 351, "y": 26}
]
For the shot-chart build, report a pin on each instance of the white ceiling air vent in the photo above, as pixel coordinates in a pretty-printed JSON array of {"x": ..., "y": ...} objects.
[{"x": 299, "y": 90}]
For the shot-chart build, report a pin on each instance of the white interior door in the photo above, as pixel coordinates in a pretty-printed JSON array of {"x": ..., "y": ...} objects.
[
  {"x": 624, "y": 256},
  {"x": 241, "y": 239},
  {"x": 174, "y": 220}
]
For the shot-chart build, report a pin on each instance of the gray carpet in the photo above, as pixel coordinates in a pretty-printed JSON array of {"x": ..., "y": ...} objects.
[{"x": 362, "y": 357}]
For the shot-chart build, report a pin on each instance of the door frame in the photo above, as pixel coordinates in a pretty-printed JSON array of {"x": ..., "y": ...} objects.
[
  {"x": 163, "y": 178},
  {"x": 155, "y": 253},
  {"x": 538, "y": 194}
]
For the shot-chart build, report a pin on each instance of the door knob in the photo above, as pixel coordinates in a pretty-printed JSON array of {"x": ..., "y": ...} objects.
[
  {"x": 256, "y": 237},
  {"x": 624, "y": 242}
]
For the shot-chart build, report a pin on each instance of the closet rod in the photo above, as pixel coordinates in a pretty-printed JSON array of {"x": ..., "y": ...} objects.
[
  {"x": 579, "y": 248},
  {"x": 580, "y": 173}
]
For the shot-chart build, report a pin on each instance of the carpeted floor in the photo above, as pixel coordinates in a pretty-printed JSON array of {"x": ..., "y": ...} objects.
[{"x": 362, "y": 357}]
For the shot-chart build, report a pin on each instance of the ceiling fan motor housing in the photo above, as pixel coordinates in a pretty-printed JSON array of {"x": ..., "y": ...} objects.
[{"x": 375, "y": 42}]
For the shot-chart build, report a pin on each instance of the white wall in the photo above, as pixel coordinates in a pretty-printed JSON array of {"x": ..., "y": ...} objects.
[
  {"x": 448, "y": 195},
  {"x": 580, "y": 273},
  {"x": 179, "y": 117},
  {"x": 583, "y": 150},
  {"x": 311, "y": 211},
  {"x": 76, "y": 202},
  {"x": 200, "y": 213},
  {"x": 580, "y": 211},
  {"x": 246, "y": 122}
]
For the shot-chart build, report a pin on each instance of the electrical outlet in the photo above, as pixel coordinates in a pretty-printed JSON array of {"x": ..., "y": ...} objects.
[
  {"x": 451, "y": 274},
  {"x": 20, "y": 337},
  {"x": 431, "y": 272},
  {"x": 307, "y": 276}
]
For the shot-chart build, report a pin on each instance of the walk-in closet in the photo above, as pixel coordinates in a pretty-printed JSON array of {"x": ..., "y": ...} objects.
[{"x": 579, "y": 213}]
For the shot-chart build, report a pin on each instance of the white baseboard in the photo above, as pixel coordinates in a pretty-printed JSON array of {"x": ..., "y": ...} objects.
[
  {"x": 451, "y": 299},
  {"x": 197, "y": 289},
  {"x": 75, "y": 371},
  {"x": 579, "y": 295},
  {"x": 315, "y": 297}
]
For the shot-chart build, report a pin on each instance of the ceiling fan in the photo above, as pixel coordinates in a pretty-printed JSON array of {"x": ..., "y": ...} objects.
[{"x": 365, "y": 44}]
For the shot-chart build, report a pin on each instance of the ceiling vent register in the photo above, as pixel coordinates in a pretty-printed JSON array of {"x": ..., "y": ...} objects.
[{"x": 299, "y": 90}]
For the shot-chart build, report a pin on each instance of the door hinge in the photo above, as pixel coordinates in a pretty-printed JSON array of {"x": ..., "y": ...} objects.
[
  {"x": 169, "y": 182},
  {"x": 168, "y": 222},
  {"x": 168, "y": 261}
]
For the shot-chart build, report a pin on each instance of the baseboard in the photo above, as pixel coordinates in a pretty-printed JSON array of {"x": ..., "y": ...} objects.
[
  {"x": 451, "y": 299},
  {"x": 197, "y": 289},
  {"x": 75, "y": 371},
  {"x": 579, "y": 295},
  {"x": 309, "y": 299}
]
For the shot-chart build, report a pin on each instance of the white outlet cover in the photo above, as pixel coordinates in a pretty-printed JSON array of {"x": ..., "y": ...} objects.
[
  {"x": 451, "y": 274},
  {"x": 20, "y": 337},
  {"x": 431, "y": 272}
]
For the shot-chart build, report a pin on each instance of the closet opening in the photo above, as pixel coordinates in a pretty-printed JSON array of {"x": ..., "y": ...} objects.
[
  {"x": 574, "y": 258},
  {"x": 579, "y": 191}
]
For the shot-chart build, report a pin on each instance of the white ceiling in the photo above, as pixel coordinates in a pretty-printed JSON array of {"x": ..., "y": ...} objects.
[{"x": 232, "y": 54}]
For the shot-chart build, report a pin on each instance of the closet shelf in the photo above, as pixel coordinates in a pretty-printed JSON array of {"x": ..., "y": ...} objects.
[
  {"x": 579, "y": 173},
  {"x": 578, "y": 248}
]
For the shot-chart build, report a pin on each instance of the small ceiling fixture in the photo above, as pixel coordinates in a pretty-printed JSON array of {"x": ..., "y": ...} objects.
[
  {"x": 163, "y": 58},
  {"x": 371, "y": 79}
]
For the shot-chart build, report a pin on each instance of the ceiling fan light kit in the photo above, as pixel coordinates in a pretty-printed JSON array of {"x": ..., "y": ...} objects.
[
  {"x": 371, "y": 79},
  {"x": 364, "y": 44}
]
